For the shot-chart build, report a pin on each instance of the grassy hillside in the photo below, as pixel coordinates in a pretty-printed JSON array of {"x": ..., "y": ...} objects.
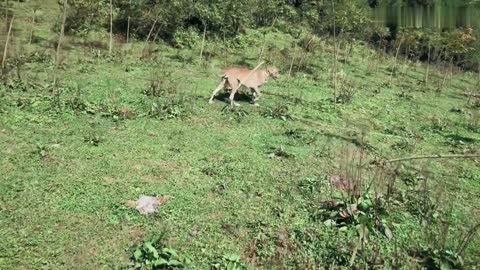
[{"x": 250, "y": 181}]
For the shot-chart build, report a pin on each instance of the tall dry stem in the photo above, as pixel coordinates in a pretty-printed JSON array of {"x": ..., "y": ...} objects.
[
  {"x": 428, "y": 65},
  {"x": 334, "y": 69},
  {"x": 6, "y": 15},
  {"x": 59, "y": 45},
  {"x": 110, "y": 45},
  {"x": 203, "y": 41},
  {"x": 6, "y": 42},
  {"x": 32, "y": 26},
  {"x": 149, "y": 34},
  {"x": 447, "y": 73},
  {"x": 395, "y": 61}
]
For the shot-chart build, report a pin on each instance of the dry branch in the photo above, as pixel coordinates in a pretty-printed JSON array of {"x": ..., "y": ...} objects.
[{"x": 438, "y": 156}]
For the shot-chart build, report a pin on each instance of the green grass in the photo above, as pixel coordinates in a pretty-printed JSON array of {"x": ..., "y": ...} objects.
[{"x": 63, "y": 198}]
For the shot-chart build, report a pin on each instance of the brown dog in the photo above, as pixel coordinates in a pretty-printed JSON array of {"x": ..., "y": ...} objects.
[{"x": 232, "y": 77}]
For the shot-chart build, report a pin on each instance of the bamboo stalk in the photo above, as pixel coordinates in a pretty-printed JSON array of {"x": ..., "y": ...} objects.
[{"x": 6, "y": 42}]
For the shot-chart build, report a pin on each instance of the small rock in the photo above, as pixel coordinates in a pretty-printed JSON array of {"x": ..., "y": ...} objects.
[{"x": 147, "y": 204}]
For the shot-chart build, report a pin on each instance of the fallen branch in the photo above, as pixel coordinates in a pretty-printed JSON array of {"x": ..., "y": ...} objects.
[
  {"x": 432, "y": 157},
  {"x": 471, "y": 95}
]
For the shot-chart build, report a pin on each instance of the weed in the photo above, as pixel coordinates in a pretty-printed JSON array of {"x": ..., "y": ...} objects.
[
  {"x": 78, "y": 103},
  {"x": 162, "y": 86},
  {"x": 346, "y": 91},
  {"x": 155, "y": 255},
  {"x": 20, "y": 85},
  {"x": 432, "y": 258},
  {"x": 280, "y": 152},
  {"x": 230, "y": 262},
  {"x": 404, "y": 145},
  {"x": 234, "y": 112},
  {"x": 93, "y": 139},
  {"x": 163, "y": 109},
  {"x": 41, "y": 151},
  {"x": 280, "y": 111},
  {"x": 438, "y": 124},
  {"x": 301, "y": 136}
]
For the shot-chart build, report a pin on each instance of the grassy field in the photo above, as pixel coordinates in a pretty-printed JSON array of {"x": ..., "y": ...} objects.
[{"x": 247, "y": 187}]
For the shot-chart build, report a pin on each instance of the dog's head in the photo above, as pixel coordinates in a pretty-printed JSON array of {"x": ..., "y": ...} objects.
[{"x": 273, "y": 72}]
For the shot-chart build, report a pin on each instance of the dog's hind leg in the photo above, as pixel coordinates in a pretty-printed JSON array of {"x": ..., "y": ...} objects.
[
  {"x": 219, "y": 87},
  {"x": 256, "y": 96}
]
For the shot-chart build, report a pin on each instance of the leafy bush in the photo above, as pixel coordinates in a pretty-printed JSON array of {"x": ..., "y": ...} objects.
[
  {"x": 186, "y": 38},
  {"x": 85, "y": 15}
]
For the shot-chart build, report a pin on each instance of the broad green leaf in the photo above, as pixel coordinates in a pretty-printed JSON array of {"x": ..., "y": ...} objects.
[
  {"x": 152, "y": 249},
  {"x": 232, "y": 257},
  {"x": 137, "y": 254},
  {"x": 174, "y": 263},
  {"x": 329, "y": 223},
  {"x": 170, "y": 251},
  {"x": 161, "y": 262}
]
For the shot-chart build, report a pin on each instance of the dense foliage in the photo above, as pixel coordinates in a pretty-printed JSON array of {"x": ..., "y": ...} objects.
[{"x": 175, "y": 21}]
